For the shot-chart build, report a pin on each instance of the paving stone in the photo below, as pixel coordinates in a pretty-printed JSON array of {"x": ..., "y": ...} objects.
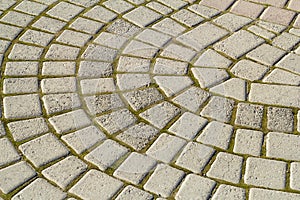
[
  {"x": 192, "y": 98},
  {"x": 257, "y": 193},
  {"x": 131, "y": 192},
  {"x": 280, "y": 119},
  {"x": 36, "y": 37},
  {"x": 190, "y": 188},
  {"x": 164, "y": 180},
  {"x": 261, "y": 32},
  {"x": 140, "y": 49},
  {"x": 58, "y": 68},
  {"x": 122, "y": 27},
  {"x": 65, "y": 171},
  {"x": 229, "y": 192},
  {"x": 168, "y": 84},
  {"x": 132, "y": 64},
  {"x": 73, "y": 38},
  {"x": 20, "y": 69},
  {"x": 232, "y": 22},
  {"x": 295, "y": 31},
  {"x": 175, "y": 4},
  {"x": 30, "y": 7},
  {"x": 9, "y": 32},
  {"x": 83, "y": 139},
  {"x": 97, "y": 86},
  {"x": 178, "y": 52},
  {"x": 227, "y": 167},
  {"x": 248, "y": 142},
  {"x": 153, "y": 37},
  {"x": 24, "y": 129},
  {"x": 209, "y": 77},
  {"x": 247, "y": 9},
  {"x": 290, "y": 63},
  {"x": 204, "y": 11},
  {"x": 58, "y": 85},
  {"x": 220, "y": 5},
  {"x": 279, "y": 3},
  {"x": 294, "y": 175},
  {"x": 282, "y": 77},
  {"x": 20, "y": 85},
  {"x": 15, "y": 175},
  {"x": 22, "y": 106},
  {"x": 62, "y": 52},
  {"x": 138, "y": 136},
  {"x": 242, "y": 39},
  {"x": 211, "y": 58},
  {"x": 94, "y": 69},
  {"x": 106, "y": 154},
  {"x": 202, "y": 36},
  {"x": 218, "y": 108},
  {"x": 169, "y": 26},
  {"x": 234, "y": 88},
  {"x": 49, "y": 24},
  {"x": 170, "y": 67},
  {"x": 249, "y": 70},
  {"x": 95, "y": 184},
  {"x": 265, "y": 173},
  {"x": 5, "y": 4},
  {"x": 137, "y": 2},
  {"x": 101, "y": 103},
  {"x": 286, "y": 41},
  {"x": 118, "y": 6},
  {"x": 97, "y": 52},
  {"x": 195, "y": 157},
  {"x": 135, "y": 168},
  {"x": 116, "y": 121},
  {"x": 187, "y": 17},
  {"x": 8, "y": 152},
  {"x": 84, "y": 3},
  {"x": 294, "y": 5},
  {"x": 25, "y": 52},
  {"x": 249, "y": 115},
  {"x": 69, "y": 121},
  {"x": 188, "y": 125},
  {"x": 272, "y": 94},
  {"x": 43, "y": 150},
  {"x": 277, "y": 15},
  {"x": 17, "y": 18},
  {"x": 142, "y": 16},
  {"x": 158, "y": 7},
  {"x": 132, "y": 81},
  {"x": 284, "y": 146},
  {"x": 4, "y": 44},
  {"x": 65, "y": 11},
  {"x": 86, "y": 25},
  {"x": 110, "y": 40},
  {"x": 160, "y": 114}
]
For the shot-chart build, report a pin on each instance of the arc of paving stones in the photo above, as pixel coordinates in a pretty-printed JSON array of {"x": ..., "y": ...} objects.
[{"x": 141, "y": 100}]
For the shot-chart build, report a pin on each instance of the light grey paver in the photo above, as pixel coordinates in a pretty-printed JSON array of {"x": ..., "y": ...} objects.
[
  {"x": 159, "y": 7},
  {"x": 8, "y": 152},
  {"x": 132, "y": 64},
  {"x": 211, "y": 58},
  {"x": 234, "y": 88},
  {"x": 36, "y": 37},
  {"x": 204, "y": 11},
  {"x": 280, "y": 119},
  {"x": 171, "y": 67},
  {"x": 58, "y": 85},
  {"x": 131, "y": 192},
  {"x": 64, "y": 11},
  {"x": 17, "y": 18},
  {"x": 110, "y": 40},
  {"x": 169, "y": 26},
  {"x": 25, "y": 52},
  {"x": 169, "y": 86},
  {"x": 19, "y": 69},
  {"x": 73, "y": 38},
  {"x": 282, "y": 77},
  {"x": 86, "y": 25},
  {"x": 290, "y": 62},
  {"x": 295, "y": 175},
  {"x": 286, "y": 41},
  {"x": 277, "y": 15},
  {"x": 232, "y": 22},
  {"x": 101, "y": 53},
  {"x": 257, "y": 30},
  {"x": 132, "y": 81},
  {"x": 229, "y": 192},
  {"x": 175, "y": 4},
  {"x": 49, "y": 24},
  {"x": 61, "y": 52},
  {"x": 59, "y": 68},
  {"x": 94, "y": 69},
  {"x": 263, "y": 194},
  {"x": 248, "y": 142},
  {"x": 119, "y": 6},
  {"x": 122, "y": 27},
  {"x": 153, "y": 37},
  {"x": 209, "y": 77},
  {"x": 187, "y": 17},
  {"x": 140, "y": 49},
  {"x": 30, "y": 7},
  {"x": 61, "y": 102},
  {"x": 249, "y": 115},
  {"x": 142, "y": 16},
  {"x": 247, "y": 9},
  {"x": 20, "y": 85},
  {"x": 97, "y": 86},
  {"x": 9, "y": 32},
  {"x": 220, "y": 5}
]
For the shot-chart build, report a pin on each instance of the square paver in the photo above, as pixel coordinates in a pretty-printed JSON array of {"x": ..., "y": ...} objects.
[
  {"x": 229, "y": 192},
  {"x": 169, "y": 26},
  {"x": 17, "y": 18},
  {"x": 248, "y": 142},
  {"x": 30, "y": 7},
  {"x": 62, "y": 52},
  {"x": 220, "y": 5},
  {"x": 19, "y": 69},
  {"x": 142, "y": 16},
  {"x": 25, "y": 52},
  {"x": 36, "y": 37},
  {"x": 64, "y": 11},
  {"x": 49, "y": 24},
  {"x": 232, "y": 22},
  {"x": 249, "y": 115},
  {"x": 73, "y": 38},
  {"x": 278, "y": 15},
  {"x": 247, "y": 9},
  {"x": 280, "y": 119},
  {"x": 86, "y": 25},
  {"x": 100, "y": 13},
  {"x": 119, "y": 6},
  {"x": 187, "y": 17}
]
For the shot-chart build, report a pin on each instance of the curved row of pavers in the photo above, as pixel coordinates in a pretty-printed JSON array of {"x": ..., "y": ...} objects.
[{"x": 58, "y": 129}]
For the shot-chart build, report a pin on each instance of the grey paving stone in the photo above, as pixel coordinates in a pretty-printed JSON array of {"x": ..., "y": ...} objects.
[
  {"x": 4, "y": 44},
  {"x": 22, "y": 106},
  {"x": 295, "y": 175},
  {"x": 190, "y": 188},
  {"x": 137, "y": 2},
  {"x": 142, "y": 16},
  {"x": 65, "y": 171},
  {"x": 187, "y": 17},
  {"x": 61, "y": 52},
  {"x": 106, "y": 154},
  {"x": 175, "y": 4},
  {"x": 257, "y": 30},
  {"x": 61, "y": 102},
  {"x": 110, "y": 40},
  {"x": 266, "y": 54},
  {"x": 247, "y": 9},
  {"x": 132, "y": 64},
  {"x": 192, "y": 98},
  {"x": 8, "y": 152},
  {"x": 73, "y": 38},
  {"x": 220, "y": 5},
  {"x": 58, "y": 85},
  {"x": 97, "y": 52},
  {"x": 64, "y": 11},
  {"x": 248, "y": 142},
  {"x": 86, "y": 25},
  {"x": 249, "y": 115},
  {"x": 227, "y": 167},
  {"x": 5, "y": 4},
  {"x": 169, "y": 26},
  {"x": 280, "y": 119},
  {"x": 59, "y": 68},
  {"x": 229, "y": 192},
  {"x": 277, "y": 15},
  {"x": 83, "y": 139},
  {"x": 217, "y": 134},
  {"x": 170, "y": 67},
  {"x": 243, "y": 39},
  {"x": 17, "y": 18},
  {"x": 119, "y": 6},
  {"x": 43, "y": 150},
  {"x": 49, "y": 24},
  {"x": 204, "y": 11},
  {"x": 101, "y": 103},
  {"x": 209, "y": 77},
  {"x": 25, "y": 129},
  {"x": 9, "y": 32},
  {"x": 277, "y": 28},
  {"x": 131, "y": 192},
  {"x": 25, "y": 52},
  {"x": 211, "y": 58},
  {"x": 195, "y": 157},
  {"x": 164, "y": 180},
  {"x": 30, "y": 7},
  {"x": 168, "y": 84},
  {"x": 257, "y": 193},
  {"x": 100, "y": 13},
  {"x": 153, "y": 37},
  {"x": 290, "y": 62},
  {"x": 122, "y": 27},
  {"x": 232, "y": 22},
  {"x": 135, "y": 168},
  {"x": 94, "y": 69},
  {"x": 70, "y": 121},
  {"x": 40, "y": 188},
  {"x": 178, "y": 52},
  {"x": 20, "y": 85},
  {"x": 160, "y": 114},
  {"x": 36, "y": 37},
  {"x": 158, "y": 7},
  {"x": 188, "y": 125},
  {"x": 284, "y": 146},
  {"x": 138, "y": 136},
  {"x": 116, "y": 121},
  {"x": 218, "y": 108},
  {"x": 265, "y": 173},
  {"x": 84, "y": 3},
  {"x": 133, "y": 81},
  {"x": 97, "y": 86},
  {"x": 286, "y": 41},
  {"x": 140, "y": 49},
  {"x": 282, "y": 77}
]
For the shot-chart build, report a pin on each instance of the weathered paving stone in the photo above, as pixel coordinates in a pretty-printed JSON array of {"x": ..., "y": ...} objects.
[
  {"x": 135, "y": 168},
  {"x": 290, "y": 62},
  {"x": 295, "y": 175},
  {"x": 15, "y": 175},
  {"x": 234, "y": 88},
  {"x": 227, "y": 167},
  {"x": 43, "y": 150},
  {"x": 58, "y": 85},
  {"x": 211, "y": 58},
  {"x": 49, "y": 24},
  {"x": 220, "y": 5},
  {"x": 122, "y": 27},
  {"x": 58, "y": 68},
  {"x": 280, "y": 119},
  {"x": 17, "y": 18},
  {"x": 159, "y": 8},
  {"x": 94, "y": 69},
  {"x": 195, "y": 157},
  {"x": 187, "y": 17},
  {"x": 97, "y": 52},
  {"x": 95, "y": 184},
  {"x": 65, "y": 171},
  {"x": 119, "y": 6},
  {"x": 232, "y": 22},
  {"x": 31, "y": 7},
  {"x": 106, "y": 154},
  {"x": 248, "y": 142},
  {"x": 62, "y": 52},
  {"x": 209, "y": 77},
  {"x": 131, "y": 192},
  {"x": 36, "y": 37},
  {"x": 247, "y": 9},
  {"x": 257, "y": 30},
  {"x": 25, "y": 52},
  {"x": 164, "y": 180},
  {"x": 9, "y": 32},
  {"x": 153, "y": 37},
  {"x": 8, "y": 152},
  {"x": 265, "y": 173},
  {"x": 83, "y": 139},
  {"x": 277, "y": 15},
  {"x": 286, "y": 41},
  {"x": 190, "y": 188},
  {"x": 204, "y": 11},
  {"x": 142, "y": 16},
  {"x": 110, "y": 40},
  {"x": 169, "y": 86},
  {"x": 169, "y": 26},
  {"x": 257, "y": 193},
  {"x": 140, "y": 49},
  {"x": 249, "y": 115},
  {"x": 131, "y": 64},
  {"x": 64, "y": 11},
  {"x": 61, "y": 102},
  {"x": 175, "y": 4},
  {"x": 132, "y": 81},
  {"x": 100, "y": 13},
  {"x": 171, "y": 67},
  {"x": 229, "y": 192},
  {"x": 97, "y": 86},
  {"x": 178, "y": 52},
  {"x": 27, "y": 68},
  {"x": 282, "y": 77},
  {"x": 20, "y": 85},
  {"x": 86, "y": 25},
  {"x": 73, "y": 38}
]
